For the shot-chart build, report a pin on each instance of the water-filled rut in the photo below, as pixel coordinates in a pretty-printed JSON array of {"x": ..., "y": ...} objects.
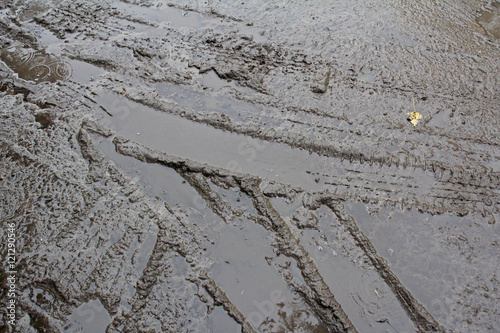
[{"x": 217, "y": 167}]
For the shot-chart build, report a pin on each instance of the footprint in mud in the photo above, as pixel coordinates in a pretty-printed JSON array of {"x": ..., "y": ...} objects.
[{"x": 35, "y": 65}]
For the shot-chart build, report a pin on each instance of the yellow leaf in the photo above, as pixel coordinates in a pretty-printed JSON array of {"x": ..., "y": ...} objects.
[{"x": 415, "y": 117}]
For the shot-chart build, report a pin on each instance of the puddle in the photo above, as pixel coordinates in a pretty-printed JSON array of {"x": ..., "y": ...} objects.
[
  {"x": 413, "y": 244},
  {"x": 236, "y": 258},
  {"x": 90, "y": 317},
  {"x": 47, "y": 65},
  {"x": 42, "y": 298},
  {"x": 158, "y": 181},
  {"x": 46, "y": 38},
  {"x": 180, "y": 137},
  {"x": 278, "y": 162},
  {"x": 364, "y": 296},
  {"x": 253, "y": 285},
  {"x": 83, "y": 72},
  {"x": 219, "y": 321},
  {"x": 171, "y": 16},
  {"x": 33, "y": 65},
  {"x": 238, "y": 247},
  {"x": 489, "y": 19}
]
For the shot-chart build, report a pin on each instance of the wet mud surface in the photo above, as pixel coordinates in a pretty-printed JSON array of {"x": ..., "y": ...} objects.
[{"x": 209, "y": 166}]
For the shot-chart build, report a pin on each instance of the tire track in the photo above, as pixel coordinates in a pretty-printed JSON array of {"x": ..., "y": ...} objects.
[{"x": 319, "y": 297}]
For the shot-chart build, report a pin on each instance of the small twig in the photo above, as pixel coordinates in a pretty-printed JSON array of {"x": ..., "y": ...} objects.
[{"x": 109, "y": 114}]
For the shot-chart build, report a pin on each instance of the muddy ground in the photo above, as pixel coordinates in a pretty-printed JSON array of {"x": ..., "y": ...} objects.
[{"x": 223, "y": 166}]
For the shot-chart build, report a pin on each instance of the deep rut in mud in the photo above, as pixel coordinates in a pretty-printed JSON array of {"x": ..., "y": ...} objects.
[{"x": 187, "y": 166}]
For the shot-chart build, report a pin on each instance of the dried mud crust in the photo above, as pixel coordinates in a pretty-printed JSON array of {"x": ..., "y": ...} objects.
[{"x": 87, "y": 230}]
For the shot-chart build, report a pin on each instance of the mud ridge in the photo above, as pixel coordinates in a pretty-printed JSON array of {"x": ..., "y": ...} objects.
[
  {"x": 422, "y": 319},
  {"x": 165, "y": 243},
  {"x": 322, "y": 300},
  {"x": 228, "y": 49},
  {"x": 221, "y": 298},
  {"x": 473, "y": 189},
  {"x": 98, "y": 215},
  {"x": 168, "y": 240}
]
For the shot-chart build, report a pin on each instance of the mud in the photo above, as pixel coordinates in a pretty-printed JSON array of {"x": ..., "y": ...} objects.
[{"x": 192, "y": 166}]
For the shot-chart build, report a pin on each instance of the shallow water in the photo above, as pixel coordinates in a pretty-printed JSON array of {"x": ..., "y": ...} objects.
[
  {"x": 90, "y": 317},
  {"x": 352, "y": 203},
  {"x": 37, "y": 66}
]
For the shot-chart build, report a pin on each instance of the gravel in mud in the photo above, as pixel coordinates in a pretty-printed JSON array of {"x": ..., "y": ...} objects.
[{"x": 210, "y": 166}]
